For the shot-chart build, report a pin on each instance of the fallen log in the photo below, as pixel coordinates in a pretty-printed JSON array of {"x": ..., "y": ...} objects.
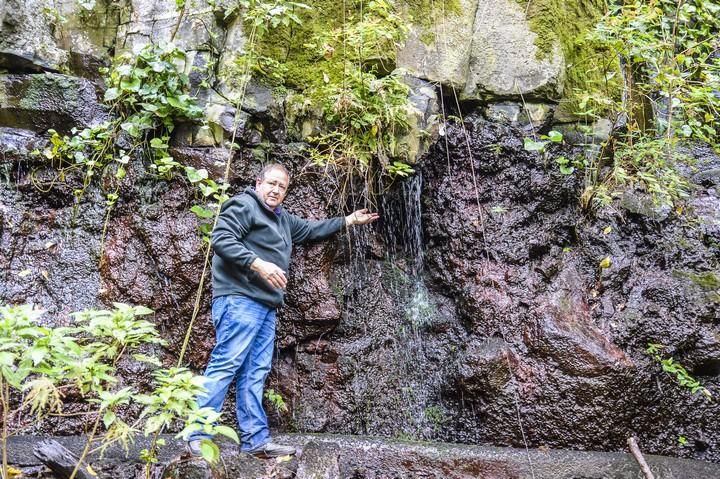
[
  {"x": 61, "y": 461},
  {"x": 635, "y": 449}
]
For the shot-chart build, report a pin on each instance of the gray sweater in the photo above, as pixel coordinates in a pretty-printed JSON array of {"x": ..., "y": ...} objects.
[{"x": 247, "y": 229}]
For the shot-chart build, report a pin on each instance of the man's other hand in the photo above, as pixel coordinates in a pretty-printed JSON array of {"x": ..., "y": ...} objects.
[
  {"x": 361, "y": 217},
  {"x": 270, "y": 272}
]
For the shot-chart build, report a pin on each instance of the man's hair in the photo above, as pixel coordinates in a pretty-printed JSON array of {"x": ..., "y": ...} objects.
[{"x": 272, "y": 166}]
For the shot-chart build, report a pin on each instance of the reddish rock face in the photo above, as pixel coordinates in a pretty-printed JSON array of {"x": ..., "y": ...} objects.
[
  {"x": 506, "y": 322},
  {"x": 565, "y": 332}
]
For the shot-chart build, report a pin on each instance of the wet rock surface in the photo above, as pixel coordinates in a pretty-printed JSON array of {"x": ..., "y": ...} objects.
[
  {"x": 522, "y": 263},
  {"x": 445, "y": 339}
]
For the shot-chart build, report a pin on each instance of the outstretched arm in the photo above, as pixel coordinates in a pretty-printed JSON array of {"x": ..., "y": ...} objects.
[{"x": 361, "y": 217}]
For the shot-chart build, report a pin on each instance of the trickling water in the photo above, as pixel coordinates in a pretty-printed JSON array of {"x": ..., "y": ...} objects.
[
  {"x": 402, "y": 232},
  {"x": 402, "y": 216}
]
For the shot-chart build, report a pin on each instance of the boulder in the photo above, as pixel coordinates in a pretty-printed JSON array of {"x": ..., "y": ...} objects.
[
  {"x": 87, "y": 34},
  {"x": 27, "y": 43},
  {"x": 17, "y": 144},
  {"x": 485, "y": 367},
  {"x": 41, "y": 101},
  {"x": 319, "y": 461},
  {"x": 423, "y": 119},
  {"x": 441, "y": 53},
  {"x": 504, "y": 60},
  {"x": 643, "y": 204},
  {"x": 565, "y": 333},
  {"x": 159, "y": 21}
]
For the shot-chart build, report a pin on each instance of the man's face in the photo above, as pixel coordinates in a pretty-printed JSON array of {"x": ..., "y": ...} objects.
[{"x": 273, "y": 187}]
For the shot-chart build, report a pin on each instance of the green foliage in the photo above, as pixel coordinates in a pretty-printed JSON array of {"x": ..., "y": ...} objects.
[
  {"x": 366, "y": 115},
  {"x": 675, "y": 369},
  {"x": 435, "y": 415},
  {"x": 172, "y": 400},
  {"x": 707, "y": 280},
  {"x": 565, "y": 165},
  {"x": 398, "y": 168},
  {"x": 38, "y": 362},
  {"x": 647, "y": 163},
  {"x": 671, "y": 75},
  {"x": 336, "y": 56},
  {"x": 539, "y": 146},
  {"x": 670, "y": 47},
  {"x": 146, "y": 95},
  {"x": 374, "y": 34},
  {"x": 276, "y": 400}
]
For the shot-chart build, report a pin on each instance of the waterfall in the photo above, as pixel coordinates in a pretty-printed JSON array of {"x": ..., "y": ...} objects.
[{"x": 402, "y": 211}]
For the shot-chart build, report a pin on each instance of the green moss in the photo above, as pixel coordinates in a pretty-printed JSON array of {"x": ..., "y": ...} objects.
[
  {"x": 707, "y": 280},
  {"x": 312, "y": 57},
  {"x": 568, "y": 23},
  {"x": 298, "y": 47},
  {"x": 428, "y": 14}
]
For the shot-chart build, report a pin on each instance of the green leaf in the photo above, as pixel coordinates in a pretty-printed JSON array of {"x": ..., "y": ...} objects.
[
  {"x": 555, "y": 136},
  {"x": 37, "y": 354},
  {"x": 158, "y": 143},
  {"x": 531, "y": 145},
  {"x": 7, "y": 358},
  {"x": 144, "y": 358},
  {"x": 131, "y": 128},
  {"x": 108, "y": 418},
  {"x": 202, "y": 212},
  {"x": 142, "y": 311},
  {"x": 566, "y": 170},
  {"x": 210, "y": 451},
  {"x": 194, "y": 175},
  {"x": 175, "y": 102},
  {"x": 131, "y": 85},
  {"x": 111, "y": 94},
  {"x": 227, "y": 432}
]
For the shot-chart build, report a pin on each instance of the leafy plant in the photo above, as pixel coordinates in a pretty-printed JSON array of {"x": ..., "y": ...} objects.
[
  {"x": 366, "y": 116},
  {"x": 670, "y": 71},
  {"x": 146, "y": 95},
  {"x": 364, "y": 112},
  {"x": 435, "y": 415},
  {"x": 173, "y": 399},
  {"x": 42, "y": 364},
  {"x": 675, "y": 369},
  {"x": 276, "y": 400},
  {"x": 539, "y": 146}
]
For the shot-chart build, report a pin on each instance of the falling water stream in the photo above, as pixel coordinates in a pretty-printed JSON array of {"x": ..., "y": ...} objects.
[
  {"x": 409, "y": 378},
  {"x": 402, "y": 232}
]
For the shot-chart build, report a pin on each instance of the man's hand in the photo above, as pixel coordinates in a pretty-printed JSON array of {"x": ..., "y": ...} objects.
[
  {"x": 270, "y": 272},
  {"x": 361, "y": 217}
]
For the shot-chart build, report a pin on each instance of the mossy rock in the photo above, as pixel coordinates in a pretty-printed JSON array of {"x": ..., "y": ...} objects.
[{"x": 41, "y": 101}]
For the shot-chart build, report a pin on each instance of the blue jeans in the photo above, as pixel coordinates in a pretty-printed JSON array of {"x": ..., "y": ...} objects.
[{"x": 244, "y": 334}]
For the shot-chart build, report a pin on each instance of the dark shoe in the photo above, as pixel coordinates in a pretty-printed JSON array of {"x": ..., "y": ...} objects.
[
  {"x": 271, "y": 449},
  {"x": 194, "y": 447}
]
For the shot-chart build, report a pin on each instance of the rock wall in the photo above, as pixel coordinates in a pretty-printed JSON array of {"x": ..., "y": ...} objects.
[{"x": 508, "y": 330}]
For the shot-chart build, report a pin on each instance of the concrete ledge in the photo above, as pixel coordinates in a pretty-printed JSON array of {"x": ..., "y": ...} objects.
[{"x": 336, "y": 457}]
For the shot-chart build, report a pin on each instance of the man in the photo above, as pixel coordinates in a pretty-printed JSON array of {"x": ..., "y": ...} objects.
[{"x": 252, "y": 242}]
